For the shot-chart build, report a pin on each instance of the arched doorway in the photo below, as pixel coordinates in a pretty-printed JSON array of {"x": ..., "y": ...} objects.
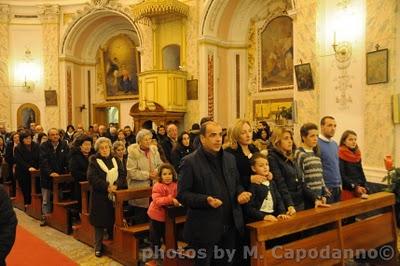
[
  {"x": 82, "y": 56},
  {"x": 26, "y": 114}
]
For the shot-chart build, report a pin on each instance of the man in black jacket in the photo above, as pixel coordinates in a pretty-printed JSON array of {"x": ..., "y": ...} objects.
[
  {"x": 209, "y": 187},
  {"x": 8, "y": 225},
  {"x": 53, "y": 162}
]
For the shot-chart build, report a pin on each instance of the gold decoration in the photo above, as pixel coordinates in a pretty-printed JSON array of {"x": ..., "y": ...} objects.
[{"x": 154, "y": 8}]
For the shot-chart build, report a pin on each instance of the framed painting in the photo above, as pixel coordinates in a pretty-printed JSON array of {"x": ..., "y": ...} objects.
[
  {"x": 276, "y": 54},
  {"x": 50, "y": 97},
  {"x": 304, "y": 77},
  {"x": 192, "y": 89},
  {"x": 119, "y": 61},
  {"x": 377, "y": 66},
  {"x": 273, "y": 110}
]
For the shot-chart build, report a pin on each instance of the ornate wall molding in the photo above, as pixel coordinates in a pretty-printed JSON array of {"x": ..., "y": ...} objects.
[
  {"x": 4, "y": 14},
  {"x": 49, "y": 13},
  {"x": 210, "y": 97}
]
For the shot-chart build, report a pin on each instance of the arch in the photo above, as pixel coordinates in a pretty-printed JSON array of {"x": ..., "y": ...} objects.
[
  {"x": 98, "y": 23},
  {"x": 171, "y": 57},
  {"x": 28, "y": 113}
]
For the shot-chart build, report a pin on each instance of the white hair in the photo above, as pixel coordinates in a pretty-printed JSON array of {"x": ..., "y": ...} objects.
[
  {"x": 142, "y": 133},
  {"x": 100, "y": 141}
]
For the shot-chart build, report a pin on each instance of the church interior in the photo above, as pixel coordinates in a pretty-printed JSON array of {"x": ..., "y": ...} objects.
[{"x": 135, "y": 62}]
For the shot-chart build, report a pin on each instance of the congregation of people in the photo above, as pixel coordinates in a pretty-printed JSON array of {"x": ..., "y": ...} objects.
[{"x": 224, "y": 177}]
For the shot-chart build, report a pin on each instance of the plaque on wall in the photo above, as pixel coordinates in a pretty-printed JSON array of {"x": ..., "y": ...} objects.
[
  {"x": 50, "y": 97},
  {"x": 192, "y": 89}
]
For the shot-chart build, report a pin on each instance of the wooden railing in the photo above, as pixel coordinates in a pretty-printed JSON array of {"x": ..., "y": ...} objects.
[{"x": 345, "y": 240}]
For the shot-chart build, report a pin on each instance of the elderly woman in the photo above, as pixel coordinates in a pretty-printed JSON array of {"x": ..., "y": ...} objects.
[
  {"x": 143, "y": 161},
  {"x": 105, "y": 174},
  {"x": 26, "y": 157}
]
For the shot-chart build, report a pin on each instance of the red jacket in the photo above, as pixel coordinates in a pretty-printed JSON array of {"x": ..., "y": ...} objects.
[{"x": 162, "y": 195}]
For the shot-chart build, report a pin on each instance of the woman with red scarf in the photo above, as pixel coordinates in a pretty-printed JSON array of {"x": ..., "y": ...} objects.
[{"x": 353, "y": 178}]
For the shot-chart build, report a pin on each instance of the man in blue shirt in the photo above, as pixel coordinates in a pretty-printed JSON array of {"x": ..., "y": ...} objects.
[{"x": 330, "y": 158}]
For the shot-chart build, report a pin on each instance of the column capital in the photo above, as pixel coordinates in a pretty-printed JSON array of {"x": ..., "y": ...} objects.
[
  {"x": 5, "y": 14},
  {"x": 49, "y": 13}
]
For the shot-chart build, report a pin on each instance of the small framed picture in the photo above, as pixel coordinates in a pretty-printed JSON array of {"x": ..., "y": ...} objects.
[
  {"x": 377, "y": 66},
  {"x": 50, "y": 97},
  {"x": 304, "y": 77}
]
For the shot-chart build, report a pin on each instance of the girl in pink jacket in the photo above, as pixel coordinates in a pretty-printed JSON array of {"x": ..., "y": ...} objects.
[{"x": 163, "y": 194}]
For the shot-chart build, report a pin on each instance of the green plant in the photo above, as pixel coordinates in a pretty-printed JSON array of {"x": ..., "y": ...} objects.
[{"x": 393, "y": 182}]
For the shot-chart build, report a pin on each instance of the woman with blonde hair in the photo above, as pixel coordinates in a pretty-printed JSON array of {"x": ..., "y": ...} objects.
[
  {"x": 242, "y": 148},
  {"x": 284, "y": 170}
]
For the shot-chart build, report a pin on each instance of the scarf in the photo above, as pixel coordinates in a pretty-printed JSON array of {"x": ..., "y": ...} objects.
[
  {"x": 349, "y": 155},
  {"x": 112, "y": 174}
]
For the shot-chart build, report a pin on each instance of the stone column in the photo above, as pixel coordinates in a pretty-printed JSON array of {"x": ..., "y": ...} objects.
[
  {"x": 5, "y": 103},
  {"x": 49, "y": 15}
]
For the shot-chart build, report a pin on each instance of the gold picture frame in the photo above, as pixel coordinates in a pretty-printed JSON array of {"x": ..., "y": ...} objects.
[{"x": 378, "y": 67}]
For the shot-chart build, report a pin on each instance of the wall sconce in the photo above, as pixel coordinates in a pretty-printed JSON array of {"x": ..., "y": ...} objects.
[
  {"x": 27, "y": 72},
  {"x": 342, "y": 49}
]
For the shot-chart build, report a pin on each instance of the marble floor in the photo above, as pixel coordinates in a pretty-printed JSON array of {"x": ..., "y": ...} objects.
[{"x": 66, "y": 244}]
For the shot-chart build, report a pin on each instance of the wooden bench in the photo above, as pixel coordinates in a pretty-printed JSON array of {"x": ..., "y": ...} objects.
[
  {"x": 18, "y": 202},
  {"x": 125, "y": 245},
  {"x": 370, "y": 233},
  {"x": 60, "y": 217},
  {"x": 84, "y": 231},
  {"x": 174, "y": 217},
  {"x": 35, "y": 208}
]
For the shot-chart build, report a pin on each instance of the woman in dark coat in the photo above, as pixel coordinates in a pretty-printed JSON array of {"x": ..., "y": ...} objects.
[
  {"x": 26, "y": 160},
  {"x": 105, "y": 174},
  {"x": 78, "y": 164},
  {"x": 351, "y": 170},
  {"x": 182, "y": 148},
  {"x": 284, "y": 170},
  {"x": 242, "y": 148}
]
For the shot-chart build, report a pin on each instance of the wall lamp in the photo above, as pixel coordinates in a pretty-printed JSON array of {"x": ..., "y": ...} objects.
[{"x": 26, "y": 71}]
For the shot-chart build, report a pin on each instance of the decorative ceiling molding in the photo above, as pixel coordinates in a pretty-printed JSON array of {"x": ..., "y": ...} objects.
[
  {"x": 154, "y": 8},
  {"x": 49, "y": 13}
]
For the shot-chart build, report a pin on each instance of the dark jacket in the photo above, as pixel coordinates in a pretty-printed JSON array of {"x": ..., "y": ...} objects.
[
  {"x": 287, "y": 179},
  {"x": 8, "y": 224},
  {"x": 258, "y": 193},
  {"x": 352, "y": 174},
  {"x": 52, "y": 161},
  {"x": 167, "y": 146},
  {"x": 24, "y": 159},
  {"x": 9, "y": 157},
  {"x": 243, "y": 163},
  {"x": 177, "y": 155},
  {"x": 101, "y": 208},
  {"x": 197, "y": 181},
  {"x": 78, "y": 165}
]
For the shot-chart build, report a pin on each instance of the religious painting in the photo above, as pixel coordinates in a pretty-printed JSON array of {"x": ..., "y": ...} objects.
[
  {"x": 50, "y": 97},
  {"x": 377, "y": 67},
  {"x": 119, "y": 63},
  {"x": 192, "y": 89},
  {"x": 26, "y": 114},
  {"x": 276, "y": 55},
  {"x": 304, "y": 77},
  {"x": 275, "y": 111}
]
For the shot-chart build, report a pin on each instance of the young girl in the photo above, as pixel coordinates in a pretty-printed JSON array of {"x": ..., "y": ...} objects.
[
  {"x": 164, "y": 193},
  {"x": 266, "y": 202},
  {"x": 353, "y": 178}
]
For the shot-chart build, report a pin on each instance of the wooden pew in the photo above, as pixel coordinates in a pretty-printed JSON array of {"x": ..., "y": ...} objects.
[
  {"x": 35, "y": 209},
  {"x": 60, "y": 217},
  {"x": 175, "y": 216},
  {"x": 18, "y": 202},
  {"x": 365, "y": 234},
  {"x": 125, "y": 245},
  {"x": 84, "y": 231}
]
